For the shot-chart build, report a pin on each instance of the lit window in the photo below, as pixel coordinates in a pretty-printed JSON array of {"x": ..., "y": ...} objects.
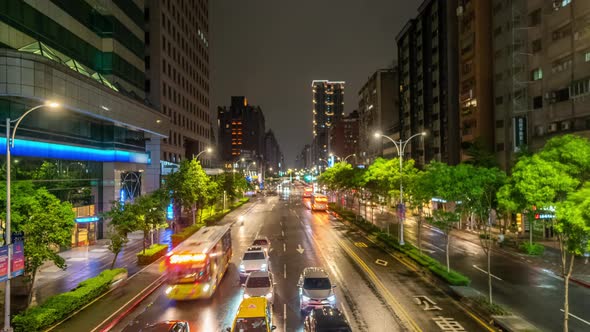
[
  {"x": 587, "y": 56},
  {"x": 565, "y": 2},
  {"x": 537, "y": 74}
]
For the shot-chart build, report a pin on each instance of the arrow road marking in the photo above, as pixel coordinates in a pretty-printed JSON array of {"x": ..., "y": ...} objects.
[
  {"x": 484, "y": 271},
  {"x": 299, "y": 249},
  {"x": 426, "y": 303},
  {"x": 585, "y": 321},
  {"x": 381, "y": 262}
]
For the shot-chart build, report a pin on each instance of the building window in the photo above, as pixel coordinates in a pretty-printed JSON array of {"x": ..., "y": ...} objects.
[
  {"x": 587, "y": 56},
  {"x": 535, "y": 17},
  {"x": 537, "y": 74},
  {"x": 562, "y": 95},
  {"x": 565, "y": 2},
  {"x": 537, "y": 45},
  {"x": 537, "y": 102}
]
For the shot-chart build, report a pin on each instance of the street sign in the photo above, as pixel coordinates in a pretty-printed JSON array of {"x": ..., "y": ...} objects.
[{"x": 18, "y": 261}]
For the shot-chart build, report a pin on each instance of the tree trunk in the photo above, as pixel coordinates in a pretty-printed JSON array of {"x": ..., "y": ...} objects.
[
  {"x": 447, "y": 252},
  {"x": 114, "y": 260},
  {"x": 194, "y": 218},
  {"x": 32, "y": 296},
  {"x": 530, "y": 229},
  {"x": 419, "y": 232},
  {"x": 566, "y": 282},
  {"x": 145, "y": 238},
  {"x": 489, "y": 254}
]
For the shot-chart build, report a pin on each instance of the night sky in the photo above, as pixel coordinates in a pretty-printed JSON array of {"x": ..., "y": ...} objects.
[{"x": 271, "y": 50}]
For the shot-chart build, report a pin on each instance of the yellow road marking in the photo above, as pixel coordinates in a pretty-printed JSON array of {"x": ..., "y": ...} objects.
[
  {"x": 384, "y": 291},
  {"x": 361, "y": 244}
]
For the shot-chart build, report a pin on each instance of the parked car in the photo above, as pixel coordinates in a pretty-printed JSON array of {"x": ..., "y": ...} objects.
[
  {"x": 260, "y": 284},
  {"x": 168, "y": 326},
  {"x": 326, "y": 319},
  {"x": 254, "y": 259},
  {"x": 315, "y": 289}
]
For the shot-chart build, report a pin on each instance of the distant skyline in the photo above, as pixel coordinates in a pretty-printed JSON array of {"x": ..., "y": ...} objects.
[{"x": 271, "y": 51}]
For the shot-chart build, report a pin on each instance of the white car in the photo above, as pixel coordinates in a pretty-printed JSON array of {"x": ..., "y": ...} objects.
[
  {"x": 254, "y": 259},
  {"x": 259, "y": 284},
  {"x": 315, "y": 289},
  {"x": 262, "y": 242}
]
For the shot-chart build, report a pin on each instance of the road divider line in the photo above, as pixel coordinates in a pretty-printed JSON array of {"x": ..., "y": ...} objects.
[
  {"x": 283, "y": 233},
  {"x": 285, "y": 317},
  {"x": 486, "y": 272},
  {"x": 285, "y": 270},
  {"x": 435, "y": 247},
  {"x": 396, "y": 306},
  {"x": 284, "y": 247},
  {"x": 576, "y": 317}
]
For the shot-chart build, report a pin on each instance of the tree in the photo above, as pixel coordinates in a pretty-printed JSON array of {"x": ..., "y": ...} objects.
[
  {"x": 123, "y": 221},
  {"x": 554, "y": 177},
  {"x": 480, "y": 155},
  {"x": 420, "y": 192},
  {"x": 188, "y": 186},
  {"x": 48, "y": 227},
  {"x": 573, "y": 232},
  {"x": 150, "y": 211}
]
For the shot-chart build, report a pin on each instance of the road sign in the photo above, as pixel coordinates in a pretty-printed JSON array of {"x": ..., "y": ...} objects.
[{"x": 18, "y": 261}]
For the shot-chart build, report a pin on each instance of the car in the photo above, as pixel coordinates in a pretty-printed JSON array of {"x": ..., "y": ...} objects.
[
  {"x": 262, "y": 242},
  {"x": 254, "y": 259},
  {"x": 315, "y": 289},
  {"x": 326, "y": 319},
  {"x": 259, "y": 284},
  {"x": 168, "y": 326},
  {"x": 254, "y": 315}
]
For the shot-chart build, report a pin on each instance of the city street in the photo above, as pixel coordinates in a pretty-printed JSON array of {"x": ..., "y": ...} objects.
[
  {"x": 517, "y": 283},
  {"x": 374, "y": 290}
]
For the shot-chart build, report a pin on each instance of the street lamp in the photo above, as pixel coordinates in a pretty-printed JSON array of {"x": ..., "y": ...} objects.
[
  {"x": 400, "y": 147},
  {"x": 350, "y": 155},
  {"x": 248, "y": 167},
  {"x": 208, "y": 150},
  {"x": 8, "y": 234}
]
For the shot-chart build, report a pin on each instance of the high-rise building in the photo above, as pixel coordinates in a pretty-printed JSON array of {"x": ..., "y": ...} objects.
[
  {"x": 328, "y": 107},
  {"x": 428, "y": 84},
  {"x": 241, "y": 130},
  {"x": 89, "y": 58},
  {"x": 273, "y": 157},
  {"x": 345, "y": 137},
  {"x": 541, "y": 72},
  {"x": 378, "y": 112},
  {"x": 304, "y": 159},
  {"x": 177, "y": 68},
  {"x": 476, "y": 116}
]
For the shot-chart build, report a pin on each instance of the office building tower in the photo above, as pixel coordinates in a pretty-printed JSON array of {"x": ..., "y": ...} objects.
[
  {"x": 345, "y": 137},
  {"x": 177, "y": 70},
  {"x": 328, "y": 107},
  {"x": 89, "y": 58}
]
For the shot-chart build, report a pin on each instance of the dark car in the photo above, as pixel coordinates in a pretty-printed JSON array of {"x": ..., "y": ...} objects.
[
  {"x": 326, "y": 319},
  {"x": 168, "y": 326}
]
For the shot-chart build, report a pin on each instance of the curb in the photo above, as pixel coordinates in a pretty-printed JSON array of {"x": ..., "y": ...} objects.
[
  {"x": 580, "y": 282},
  {"x": 126, "y": 309}
]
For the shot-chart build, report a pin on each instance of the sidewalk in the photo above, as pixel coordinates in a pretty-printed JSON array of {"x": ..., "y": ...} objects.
[{"x": 550, "y": 260}]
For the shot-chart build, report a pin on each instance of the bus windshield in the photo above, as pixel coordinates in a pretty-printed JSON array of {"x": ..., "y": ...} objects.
[{"x": 187, "y": 275}]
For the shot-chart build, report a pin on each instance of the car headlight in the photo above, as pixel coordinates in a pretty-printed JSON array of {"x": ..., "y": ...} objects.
[
  {"x": 263, "y": 267},
  {"x": 242, "y": 268},
  {"x": 269, "y": 295},
  {"x": 332, "y": 298},
  {"x": 305, "y": 298},
  {"x": 246, "y": 295},
  {"x": 206, "y": 287},
  {"x": 168, "y": 290}
]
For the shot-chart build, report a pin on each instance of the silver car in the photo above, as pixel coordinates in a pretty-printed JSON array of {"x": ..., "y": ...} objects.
[
  {"x": 260, "y": 284},
  {"x": 315, "y": 289},
  {"x": 254, "y": 259}
]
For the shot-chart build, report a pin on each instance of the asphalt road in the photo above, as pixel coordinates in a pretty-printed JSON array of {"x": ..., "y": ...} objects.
[{"x": 384, "y": 295}]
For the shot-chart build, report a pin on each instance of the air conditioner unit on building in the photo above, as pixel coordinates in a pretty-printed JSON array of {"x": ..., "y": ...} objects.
[
  {"x": 565, "y": 125},
  {"x": 552, "y": 128}
]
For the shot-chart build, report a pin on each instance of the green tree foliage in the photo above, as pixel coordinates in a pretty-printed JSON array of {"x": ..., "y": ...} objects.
[
  {"x": 123, "y": 221},
  {"x": 479, "y": 155},
  {"x": 188, "y": 186},
  {"x": 150, "y": 211}
]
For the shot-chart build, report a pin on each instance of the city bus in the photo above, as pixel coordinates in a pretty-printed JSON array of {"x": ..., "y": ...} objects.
[
  {"x": 319, "y": 202},
  {"x": 195, "y": 268}
]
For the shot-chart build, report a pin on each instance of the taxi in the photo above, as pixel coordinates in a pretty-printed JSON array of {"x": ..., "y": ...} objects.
[{"x": 254, "y": 315}]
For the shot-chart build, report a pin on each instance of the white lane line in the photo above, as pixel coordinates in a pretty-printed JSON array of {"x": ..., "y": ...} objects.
[
  {"x": 435, "y": 247},
  {"x": 484, "y": 271},
  {"x": 285, "y": 271},
  {"x": 345, "y": 313},
  {"x": 283, "y": 233},
  {"x": 576, "y": 317},
  {"x": 285, "y": 317},
  {"x": 284, "y": 247}
]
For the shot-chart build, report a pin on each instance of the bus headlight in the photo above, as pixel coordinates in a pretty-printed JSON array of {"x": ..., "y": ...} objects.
[{"x": 168, "y": 290}]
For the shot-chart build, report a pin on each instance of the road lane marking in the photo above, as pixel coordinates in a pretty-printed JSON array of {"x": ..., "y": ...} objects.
[
  {"x": 361, "y": 244},
  {"x": 576, "y": 317},
  {"x": 435, "y": 247},
  {"x": 345, "y": 313},
  {"x": 285, "y": 271},
  {"x": 285, "y": 317},
  {"x": 284, "y": 247},
  {"x": 299, "y": 249},
  {"x": 448, "y": 324},
  {"x": 484, "y": 271},
  {"x": 383, "y": 289},
  {"x": 381, "y": 262},
  {"x": 425, "y": 302},
  {"x": 283, "y": 233}
]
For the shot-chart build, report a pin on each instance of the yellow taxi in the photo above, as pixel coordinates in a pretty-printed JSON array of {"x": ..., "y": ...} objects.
[{"x": 254, "y": 315}]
